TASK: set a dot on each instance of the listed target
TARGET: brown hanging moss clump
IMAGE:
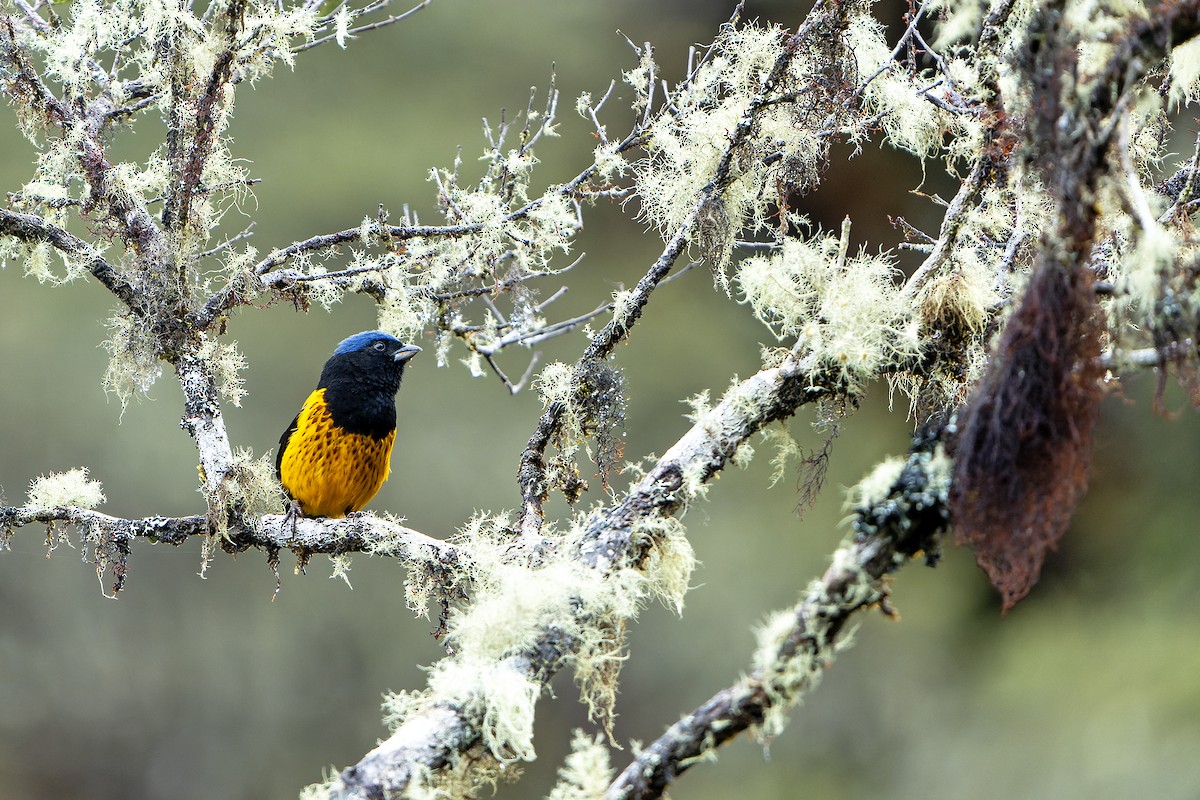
(1021, 459)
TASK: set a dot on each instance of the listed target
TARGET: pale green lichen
(37, 263)
(340, 568)
(784, 678)
(397, 707)
(554, 383)
(743, 455)
(65, 489)
(1152, 258)
(959, 301)
(686, 148)
(610, 164)
(586, 772)
(1150, 129)
(959, 21)
(133, 364)
(787, 450)
(694, 480)
(515, 606)
(910, 121)
(939, 471)
(875, 485)
(226, 364)
(341, 20)
(249, 488)
(583, 104)
(463, 777)
(794, 646)
(514, 235)
(1099, 24)
(847, 312)
(502, 697)
(405, 313)
(670, 563)
(700, 405)
(251, 483)
(321, 790)
(640, 78)
(1185, 72)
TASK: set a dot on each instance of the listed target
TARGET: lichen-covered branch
(907, 516)
(342, 19)
(110, 198)
(196, 118)
(531, 472)
(202, 419)
(361, 533)
(993, 154)
(438, 565)
(32, 228)
(618, 538)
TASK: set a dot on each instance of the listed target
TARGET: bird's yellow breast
(329, 471)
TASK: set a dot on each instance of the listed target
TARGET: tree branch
(32, 228)
(239, 290)
(992, 162)
(351, 32)
(804, 641)
(199, 116)
(359, 533)
(136, 227)
(531, 471)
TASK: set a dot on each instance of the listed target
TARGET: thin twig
(363, 28)
(231, 293)
(246, 233)
(514, 388)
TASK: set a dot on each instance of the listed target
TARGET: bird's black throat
(360, 392)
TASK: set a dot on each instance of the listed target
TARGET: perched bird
(337, 452)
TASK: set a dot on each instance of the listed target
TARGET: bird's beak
(405, 353)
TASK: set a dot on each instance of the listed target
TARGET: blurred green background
(203, 688)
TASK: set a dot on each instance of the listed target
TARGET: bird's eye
(380, 346)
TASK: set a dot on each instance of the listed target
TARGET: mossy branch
(272, 533)
(1025, 447)
(195, 118)
(86, 123)
(531, 471)
(801, 643)
(239, 291)
(32, 228)
(993, 155)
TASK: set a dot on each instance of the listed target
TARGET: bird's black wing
(283, 443)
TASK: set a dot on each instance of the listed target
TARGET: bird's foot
(294, 512)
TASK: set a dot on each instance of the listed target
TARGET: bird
(336, 454)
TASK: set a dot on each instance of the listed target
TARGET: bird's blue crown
(361, 341)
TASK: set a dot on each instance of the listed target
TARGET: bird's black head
(371, 361)
(361, 379)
